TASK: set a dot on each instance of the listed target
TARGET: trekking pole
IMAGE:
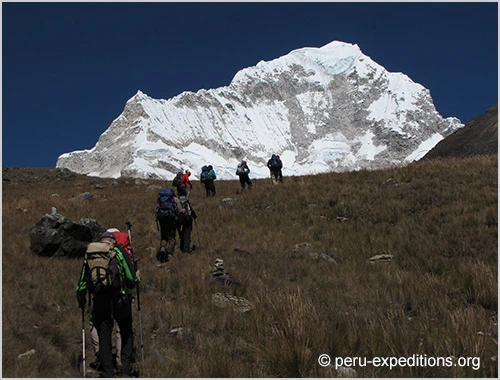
(83, 341)
(140, 331)
(129, 225)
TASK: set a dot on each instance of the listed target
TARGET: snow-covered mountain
(321, 109)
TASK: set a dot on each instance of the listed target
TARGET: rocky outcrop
(55, 235)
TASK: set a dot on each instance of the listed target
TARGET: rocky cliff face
(321, 109)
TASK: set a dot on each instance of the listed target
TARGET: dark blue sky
(69, 68)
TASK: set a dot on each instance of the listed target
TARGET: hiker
(275, 165)
(203, 177)
(207, 178)
(209, 184)
(185, 224)
(168, 207)
(123, 243)
(242, 171)
(176, 182)
(182, 189)
(109, 299)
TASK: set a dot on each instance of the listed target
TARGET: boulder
(237, 303)
(96, 229)
(55, 235)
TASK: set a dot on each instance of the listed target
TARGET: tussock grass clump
(300, 251)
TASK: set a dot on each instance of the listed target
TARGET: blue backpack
(204, 174)
(276, 163)
(166, 203)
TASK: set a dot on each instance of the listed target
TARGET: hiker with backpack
(106, 274)
(182, 189)
(185, 224)
(176, 182)
(242, 172)
(207, 178)
(204, 178)
(167, 209)
(209, 184)
(275, 165)
(123, 243)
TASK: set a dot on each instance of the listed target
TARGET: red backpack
(123, 241)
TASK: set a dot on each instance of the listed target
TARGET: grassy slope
(437, 297)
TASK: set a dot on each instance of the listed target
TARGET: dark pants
(245, 180)
(167, 232)
(181, 191)
(185, 228)
(106, 310)
(210, 188)
(277, 174)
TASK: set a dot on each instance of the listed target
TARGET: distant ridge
(478, 137)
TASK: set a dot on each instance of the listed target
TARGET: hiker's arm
(81, 288)
(131, 277)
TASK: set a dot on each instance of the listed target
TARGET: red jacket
(185, 180)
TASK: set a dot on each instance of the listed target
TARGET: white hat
(112, 230)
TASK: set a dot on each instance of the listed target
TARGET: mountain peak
(139, 95)
(321, 109)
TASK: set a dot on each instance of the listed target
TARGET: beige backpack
(104, 273)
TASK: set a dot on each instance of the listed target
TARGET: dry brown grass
(437, 297)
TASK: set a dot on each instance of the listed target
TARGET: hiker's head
(188, 172)
(243, 162)
(210, 167)
(107, 237)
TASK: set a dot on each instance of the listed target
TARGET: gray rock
(346, 372)
(218, 275)
(383, 257)
(95, 227)
(324, 256)
(27, 354)
(85, 196)
(341, 219)
(238, 303)
(55, 235)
